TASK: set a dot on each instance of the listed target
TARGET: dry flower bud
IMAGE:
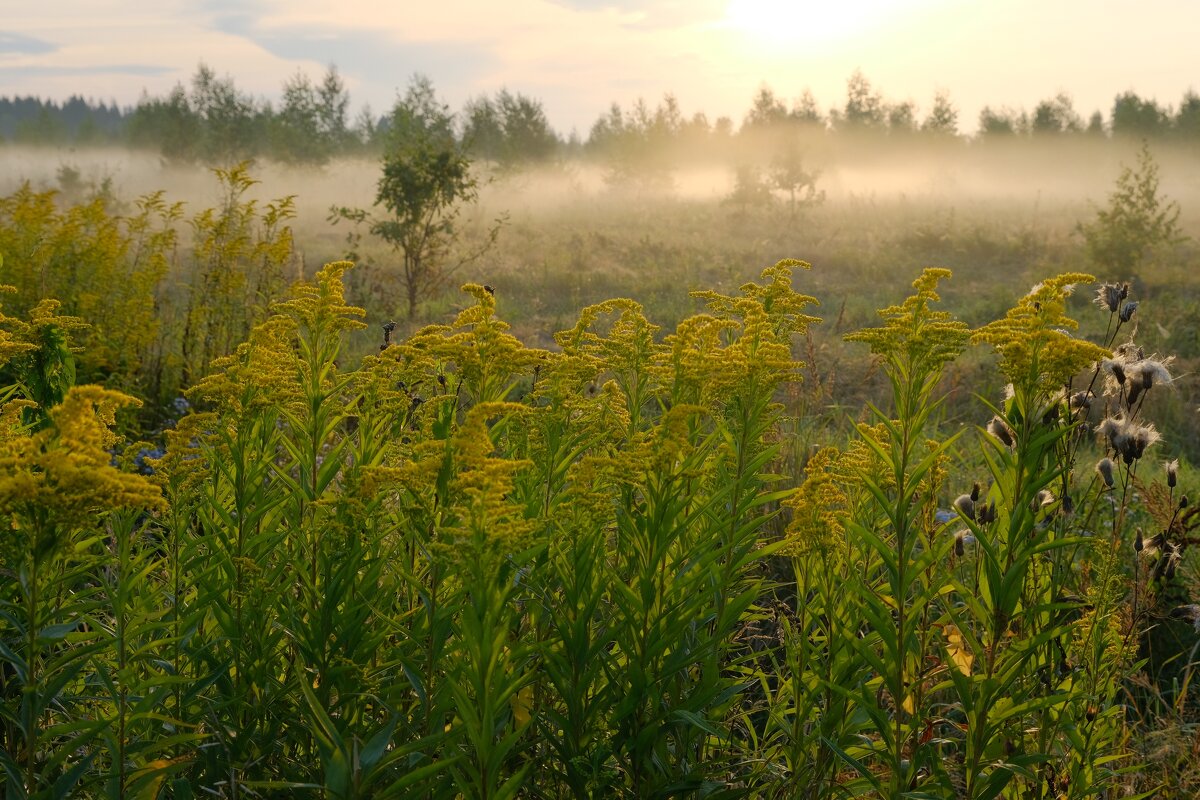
(1105, 468)
(999, 429)
(965, 506)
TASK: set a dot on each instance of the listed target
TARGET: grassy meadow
(683, 493)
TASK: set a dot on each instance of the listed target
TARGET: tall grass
(472, 569)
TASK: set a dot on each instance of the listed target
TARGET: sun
(804, 22)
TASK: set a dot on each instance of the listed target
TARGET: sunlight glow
(801, 22)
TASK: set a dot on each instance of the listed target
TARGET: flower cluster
(64, 472)
(1038, 353)
(913, 333)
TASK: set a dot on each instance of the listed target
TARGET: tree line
(210, 120)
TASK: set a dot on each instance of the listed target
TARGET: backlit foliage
(468, 568)
(129, 274)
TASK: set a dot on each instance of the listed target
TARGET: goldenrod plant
(467, 568)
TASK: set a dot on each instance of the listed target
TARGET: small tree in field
(1136, 220)
(425, 185)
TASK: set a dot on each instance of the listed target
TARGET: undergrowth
(469, 568)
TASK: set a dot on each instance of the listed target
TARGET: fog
(987, 179)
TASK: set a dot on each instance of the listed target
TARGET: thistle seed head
(1135, 391)
(1114, 368)
(1000, 430)
(1129, 351)
(1105, 467)
(965, 506)
(1109, 296)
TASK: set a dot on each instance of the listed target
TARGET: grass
(734, 555)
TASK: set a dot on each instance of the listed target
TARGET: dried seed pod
(999, 429)
(965, 506)
(1105, 468)
(1135, 391)
(388, 327)
(975, 489)
(1129, 352)
(1109, 297)
(959, 547)
(1118, 371)
(1172, 468)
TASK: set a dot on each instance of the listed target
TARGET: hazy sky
(578, 56)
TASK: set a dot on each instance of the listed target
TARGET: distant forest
(212, 121)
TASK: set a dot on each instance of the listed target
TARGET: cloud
(369, 59)
(43, 70)
(579, 55)
(653, 14)
(20, 44)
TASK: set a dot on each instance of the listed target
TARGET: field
(650, 507)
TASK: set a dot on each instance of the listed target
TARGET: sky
(579, 56)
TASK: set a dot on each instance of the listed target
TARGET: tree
(1136, 221)
(1001, 122)
(483, 131)
(1056, 115)
(902, 117)
(228, 117)
(527, 133)
(789, 174)
(864, 107)
(296, 135)
(943, 117)
(1187, 118)
(805, 110)
(508, 130)
(750, 191)
(766, 110)
(333, 108)
(1133, 116)
(425, 185)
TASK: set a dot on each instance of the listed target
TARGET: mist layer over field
(1050, 177)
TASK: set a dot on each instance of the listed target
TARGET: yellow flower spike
(64, 471)
(1037, 352)
(913, 332)
(321, 305)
